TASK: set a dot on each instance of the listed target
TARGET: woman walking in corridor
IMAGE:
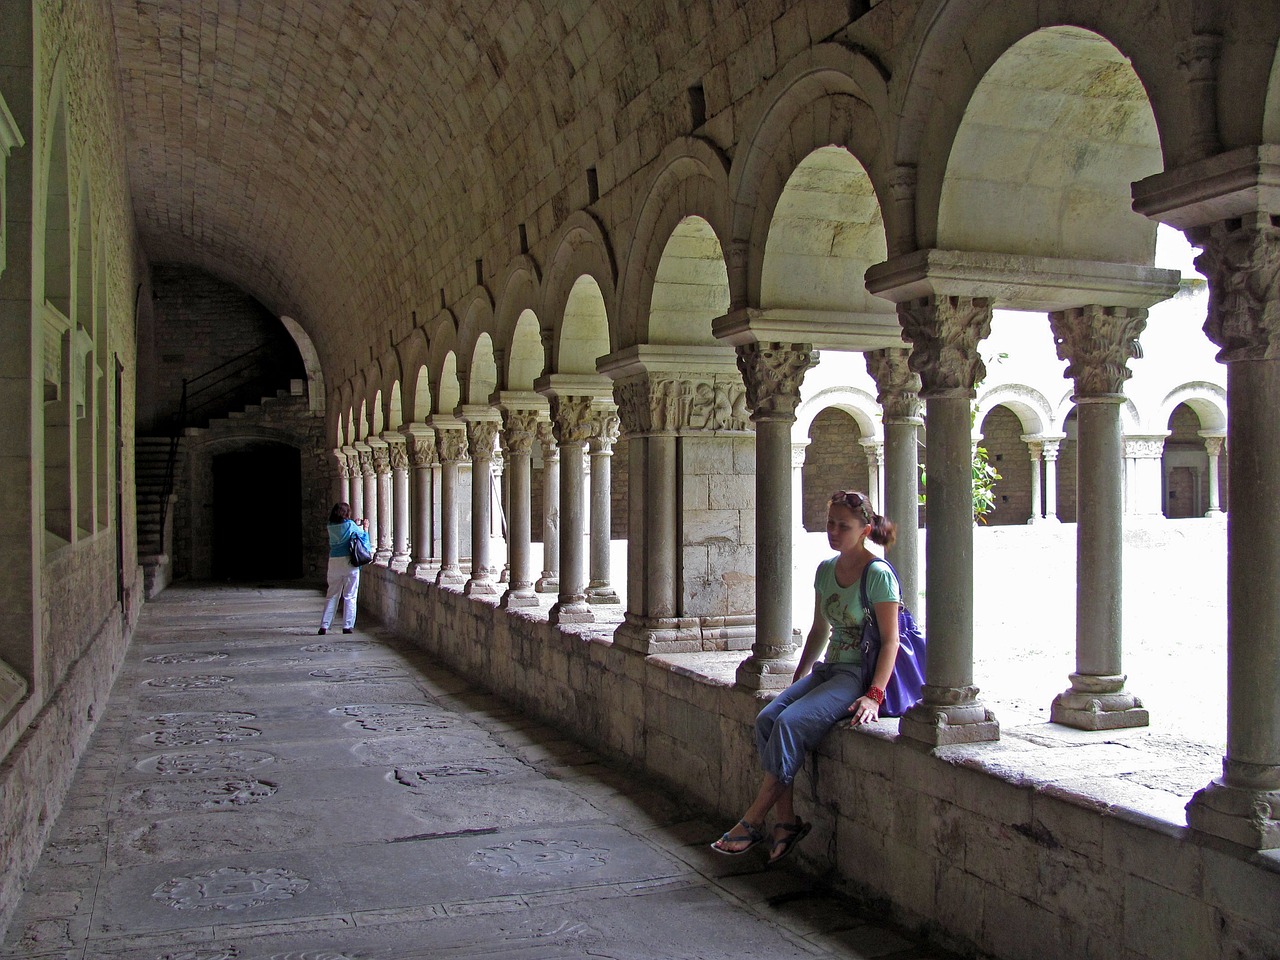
(344, 577)
(825, 692)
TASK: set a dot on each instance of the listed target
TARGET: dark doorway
(257, 514)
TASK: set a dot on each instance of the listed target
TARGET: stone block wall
(834, 460)
(953, 842)
(1006, 451)
(717, 524)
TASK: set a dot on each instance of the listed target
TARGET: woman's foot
(785, 838)
(741, 838)
(347, 630)
(322, 631)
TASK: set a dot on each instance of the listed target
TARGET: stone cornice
(574, 385)
(1222, 187)
(1020, 282)
(853, 331)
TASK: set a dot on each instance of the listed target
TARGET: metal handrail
(185, 408)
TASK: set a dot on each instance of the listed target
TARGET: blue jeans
(800, 716)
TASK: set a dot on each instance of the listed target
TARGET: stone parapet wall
(961, 843)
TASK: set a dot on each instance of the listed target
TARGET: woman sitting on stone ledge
(822, 693)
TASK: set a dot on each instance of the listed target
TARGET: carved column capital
(604, 431)
(546, 436)
(944, 333)
(1241, 258)
(519, 430)
(1098, 342)
(423, 450)
(365, 460)
(1050, 449)
(571, 419)
(344, 468)
(451, 444)
(873, 449)
(1143, 448)
(681, 403)
(381, 456)
(481, 436)
(1213, 445)
(399, 456)
(897, 383)
(772, 373)
(1035, 447)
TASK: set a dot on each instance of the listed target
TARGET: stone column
(873, 450)
(1144, 480)
(945, 331)
(1050, 455)
(369, 495)
(1034, 447)
(422, 451)
(1213, 447)
(1241, 258)
(549, 581)
(1098, 342)
(381, 455)
(451, 448)
(355, 487)
(772, 373)
(571, 423)
(500, 510)
(899, 398)
(343, 492)
(519, 428)
(482, 433)
(798, 453)
(398, 453)
(604, 433)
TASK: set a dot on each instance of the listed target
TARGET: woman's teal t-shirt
(842, 606)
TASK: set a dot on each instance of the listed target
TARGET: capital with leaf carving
(772, 374)
(1098, 342)
(945, 332)
(1241, 258)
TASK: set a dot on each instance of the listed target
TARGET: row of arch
(809, 202)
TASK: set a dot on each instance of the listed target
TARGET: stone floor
(254, 791)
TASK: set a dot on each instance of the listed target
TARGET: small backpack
(360, 554)
(907, 681)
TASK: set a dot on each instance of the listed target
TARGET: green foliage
(984, 485)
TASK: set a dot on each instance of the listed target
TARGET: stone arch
(1032, 408)
(958, 45)
(477, 322)
(341, 432)
(691, 181)
(826, 230)
(1058, 186)
(1208, 400)
(310, 363)
(412, 353)
(859, 404)
(482, 371)
(378, 414)
(395, 407)
(690, 287)
(581, 251)
(833, 461)
(828, 95)
(83, 363)
(57, 200)
(518, 296)
(1242, 75)
(446, 392)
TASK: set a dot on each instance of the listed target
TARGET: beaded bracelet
(876, 694)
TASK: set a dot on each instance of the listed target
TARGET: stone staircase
(151, 461)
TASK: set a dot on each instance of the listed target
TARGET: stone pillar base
(447, 577)
(423, 569)
(480, 588)
(773, 673)
(382, 557)
(1098, 703)
(518, 599)
(1239, 814)
(601, 593)
(547, 584)
(573, 611)
(942, 724)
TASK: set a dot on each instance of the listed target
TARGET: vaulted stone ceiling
(345, 160)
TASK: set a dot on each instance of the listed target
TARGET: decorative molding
(1242, 261)
(897, 384)
(451, 445)
(773, 373)
(1098, 342)
(571, 419)
(423, 451)
(399, 456)
(682, 403)
(481, 437)
(519, 430)
(945, 333)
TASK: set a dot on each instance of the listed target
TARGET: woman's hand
(864, 710)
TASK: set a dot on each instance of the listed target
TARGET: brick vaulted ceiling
(345, 160)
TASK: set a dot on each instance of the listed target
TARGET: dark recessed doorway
(257, 514)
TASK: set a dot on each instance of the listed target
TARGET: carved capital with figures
(945, 333)
(772, 374)
(1241, 258)
(897, 384)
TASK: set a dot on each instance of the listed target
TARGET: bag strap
(866, 604)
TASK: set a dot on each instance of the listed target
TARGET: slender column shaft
(1036, 495)
(1098, 342)
(421, 517)
(519, 430)
(344, 479)
(1241, 258)
(549, 582)
(451, 447)
(945, 333)
(772, 374)
(357, 461)
(481, 435)
(1213, 447)
(571, 421)
(901, 503)
(604, 434)
(371, 502)
(639, 501)
(400, 504)
(1051, 481)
